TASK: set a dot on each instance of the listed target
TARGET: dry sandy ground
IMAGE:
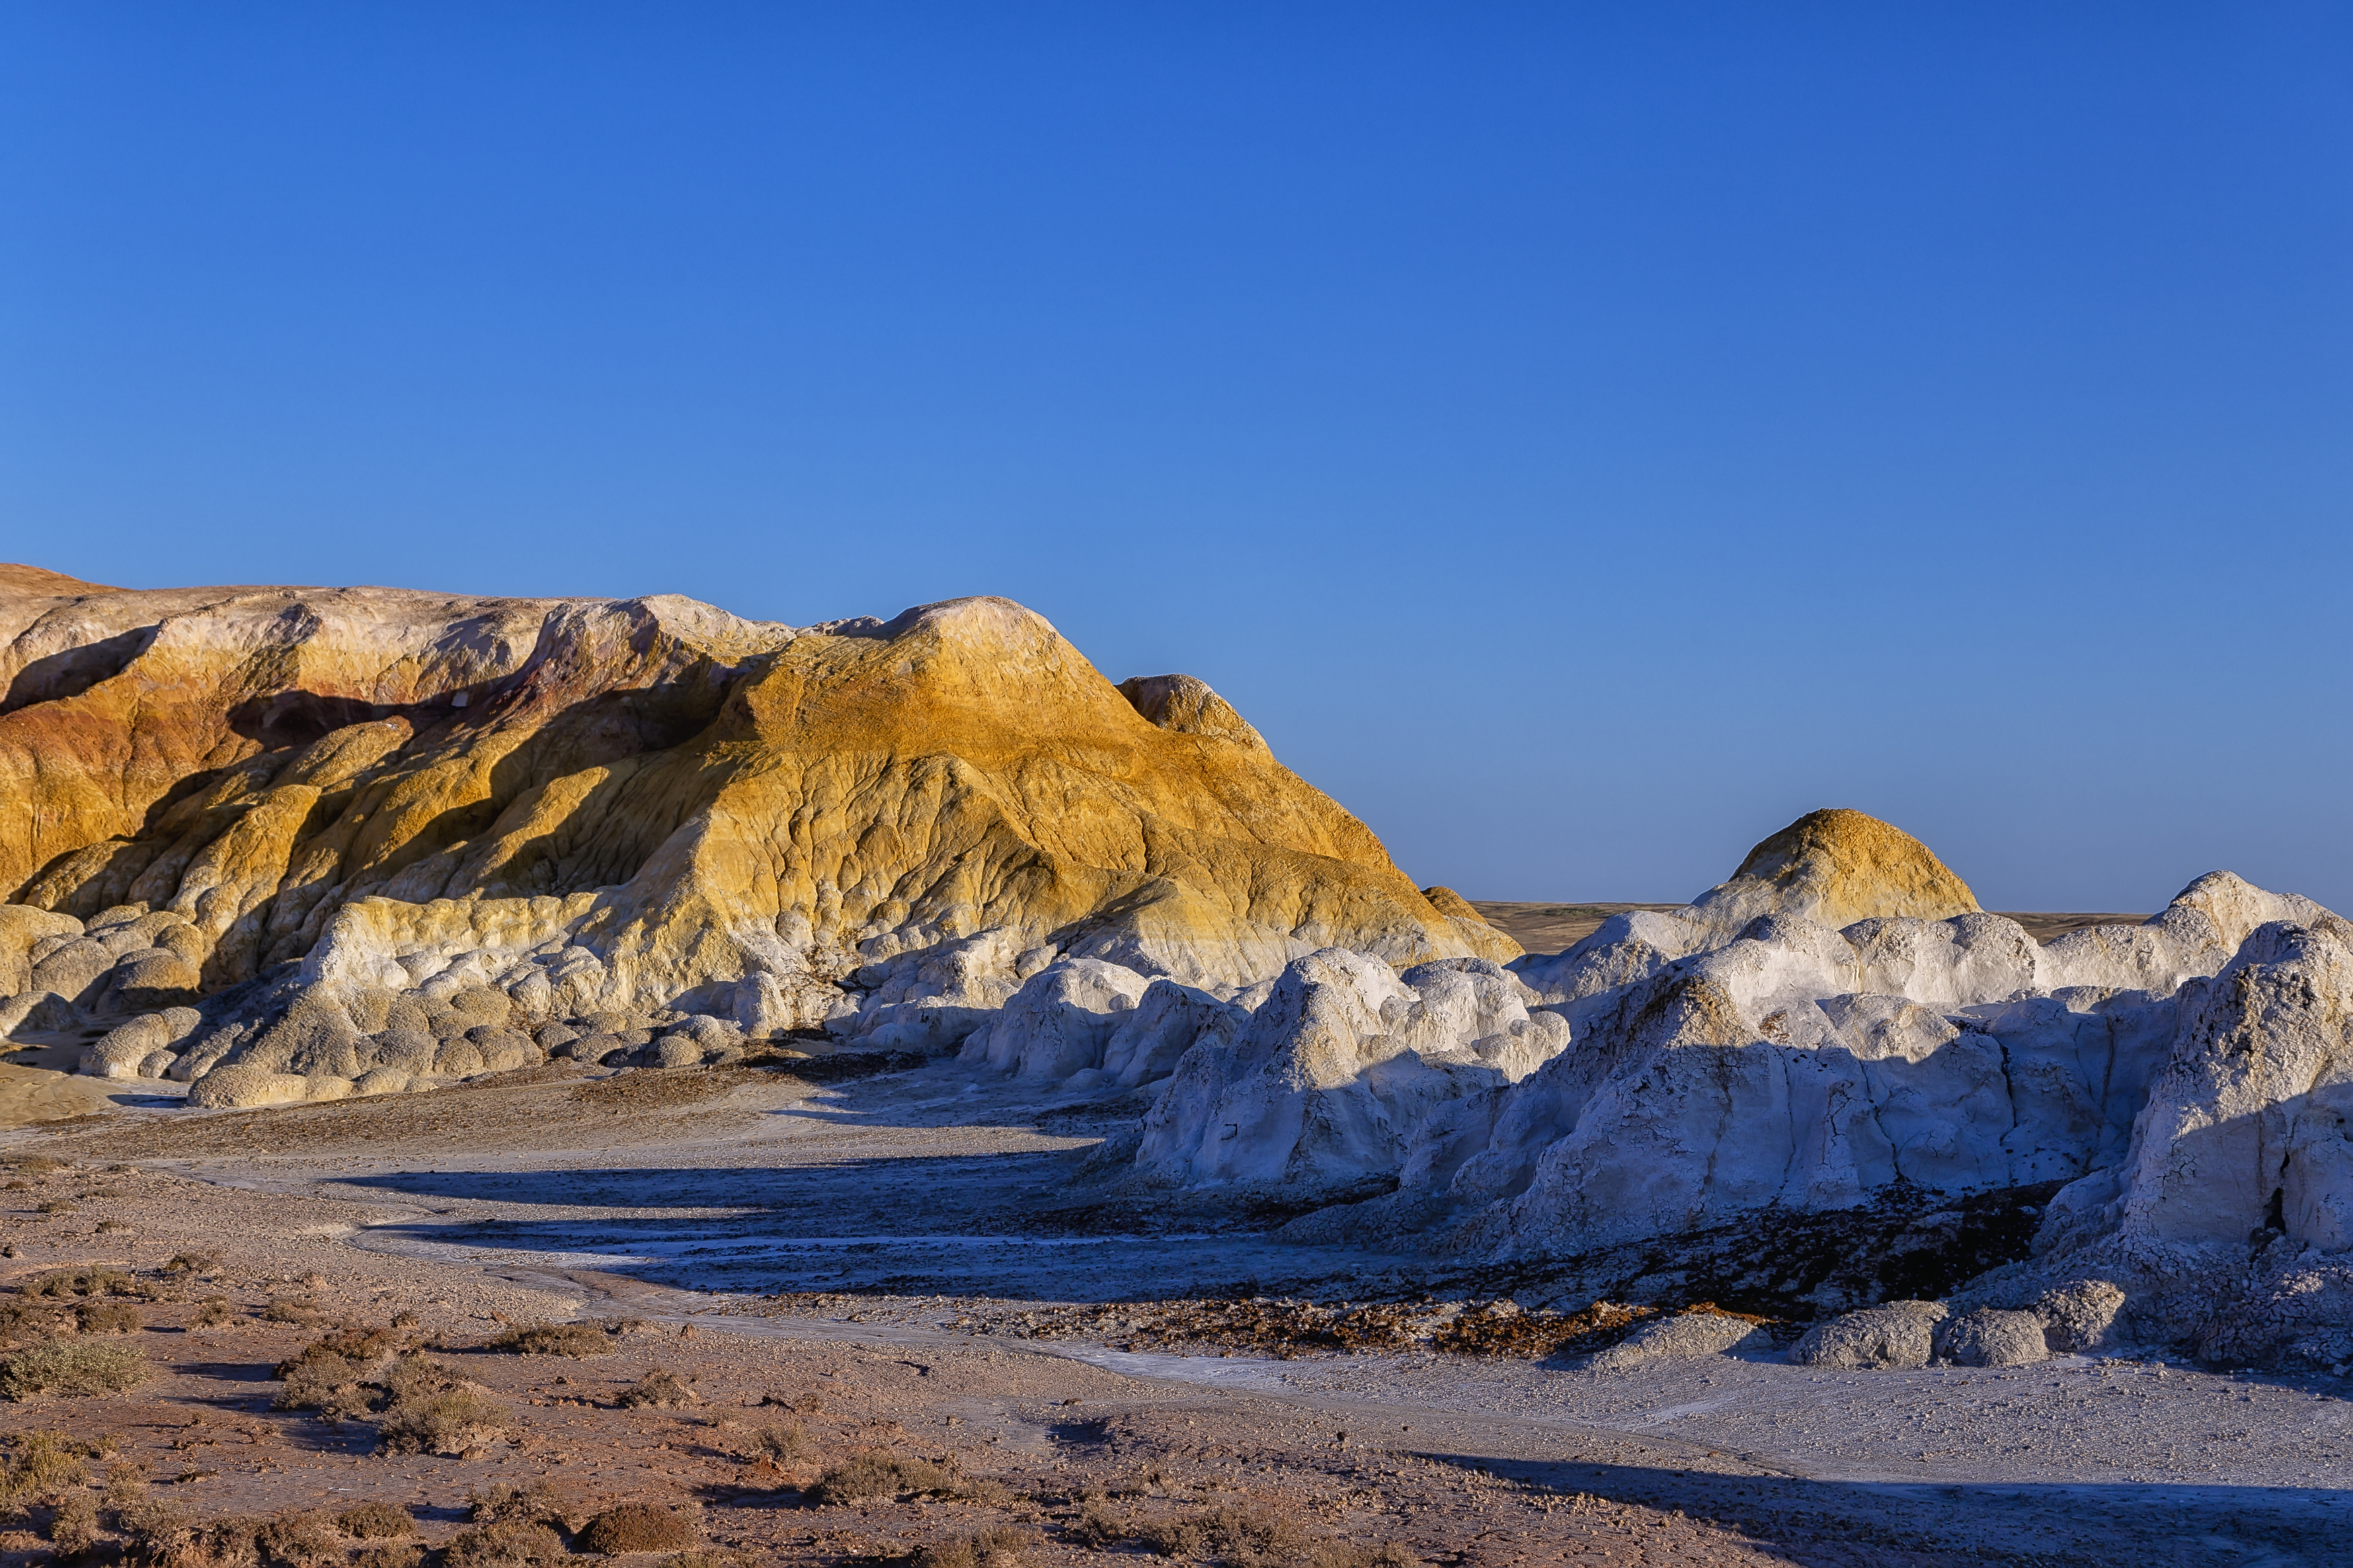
(918, 1218)
(1551, 928)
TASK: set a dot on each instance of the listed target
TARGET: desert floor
(893, 1263)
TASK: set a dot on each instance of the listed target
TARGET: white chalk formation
(2188, 1079)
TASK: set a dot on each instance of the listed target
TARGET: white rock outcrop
(1345, 1057)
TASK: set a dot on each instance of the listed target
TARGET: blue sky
(1582, 438)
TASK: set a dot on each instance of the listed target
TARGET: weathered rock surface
(1990, 1337)
(468, 820)
(1898, 1334)
(2185, 1085)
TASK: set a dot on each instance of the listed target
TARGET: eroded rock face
(463, 822)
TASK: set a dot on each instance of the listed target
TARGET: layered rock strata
(379, 839)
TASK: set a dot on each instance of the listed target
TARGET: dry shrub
(1239, 1537)
(635, 1527)
(1377, 1555)
(536, 1501)
(336, 1376)
(107, 1318)
(164, 1537)
(871, 1473)
(659, 1391)
(92, 1281)
(504, 1543)
(146, 1520)
(39, 1164)
(18, 1318)
(1249, 1537)
(701, 1560)
(59, 1205)
(375, 1521)
(281, 1311)
(460, 1424)
(77, 1369)
(1001, 1546)
(40, 1464)
(125, 1485)
(106, 1227)
(73, 1525)
(434, 1411)
(1097, 1525)
(356, 1343)
(299, 1540)
(405, 1555)
(782, 1443)
(213, 1312)
(579, 1341)
(192, 1263)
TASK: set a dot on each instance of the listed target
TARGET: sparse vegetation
(281, 1311)
(434, 1411)
(41, 1464)
(299, 1540)
(658, 1391)
(337, 1375)
(871, 1473)
(1001, 1546)
(73, 1368)
(534, 1502)
(576, 1340)
(213, 1312)
(1239, 1537)
(404, 1555)
(783, 1442)
(93, 1281)
(375, 1521)
(192, 1263)
(506, 1544)
(1097, 1525)
(73, 1524)
(107, 1318)
(635, 1527)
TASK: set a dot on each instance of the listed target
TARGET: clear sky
(1581, 436)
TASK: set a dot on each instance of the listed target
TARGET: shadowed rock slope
(482, 829)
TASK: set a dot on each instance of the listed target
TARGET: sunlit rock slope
(291, 842)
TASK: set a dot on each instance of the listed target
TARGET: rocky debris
(1897, 1334)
